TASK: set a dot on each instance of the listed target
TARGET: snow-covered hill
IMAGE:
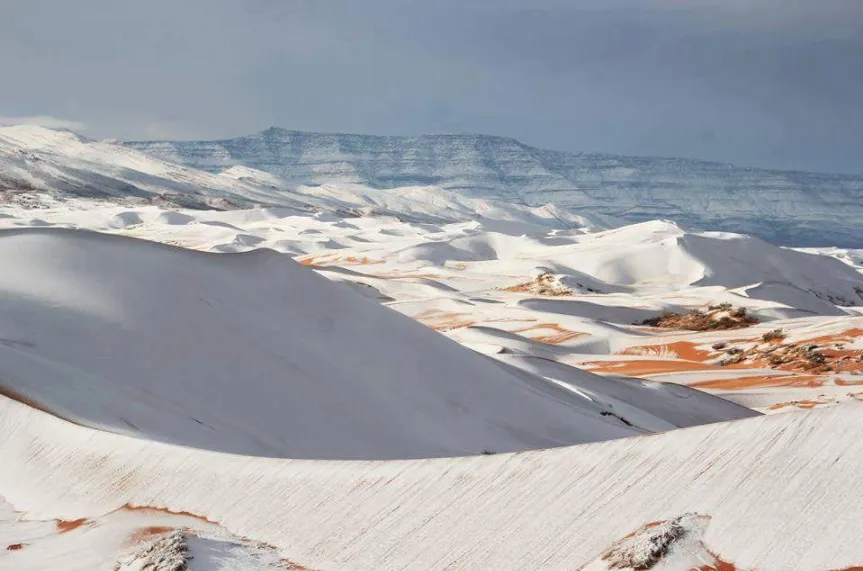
(39, 160)
(34, 158)
(255, 354)
(790, 208)
(334, 376)
(774, 492)
(549, 301)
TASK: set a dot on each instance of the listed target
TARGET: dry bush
(698, 320)
(773, 335)
(543, 284)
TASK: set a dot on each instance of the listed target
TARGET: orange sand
(146, 533)
(337, 260)
(562, 334)
(685, 350)
(151, 509)
(64, 526)
(640, 367)
(760, 382)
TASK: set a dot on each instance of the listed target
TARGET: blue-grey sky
(757, 82)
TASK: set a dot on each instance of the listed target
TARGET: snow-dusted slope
(792, 208)
(775, 492)
(49, 161)
(662, 255)
(142, 384)
(551, 301)
(256, 354)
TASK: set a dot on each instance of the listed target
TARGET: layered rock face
(786, 207)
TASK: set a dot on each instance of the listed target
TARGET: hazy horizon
(776, 85)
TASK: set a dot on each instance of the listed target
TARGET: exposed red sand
(146, 533)
(151, 509)
(445, 321)
(648, 525)
(639, 367)
(559, 337)
(718, 564)
(337, 260)
(846, 336)
(561, 333)
(738, 383)
(15, 547)
(643, 367)
(805, 404)
(441, 321)
(790, 357)
(64, 526)
(685, 350)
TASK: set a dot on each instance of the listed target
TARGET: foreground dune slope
(255, 354)
(773, 492)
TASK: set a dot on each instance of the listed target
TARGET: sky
(774, 83)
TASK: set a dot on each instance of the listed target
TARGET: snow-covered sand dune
(775, 492)
(255, 354)
(176, 391)
(552, 298)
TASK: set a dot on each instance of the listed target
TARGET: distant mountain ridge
(786, 207)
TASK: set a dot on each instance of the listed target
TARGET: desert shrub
(816, 358)
(732, 359)
(699, 320)
(773, 335)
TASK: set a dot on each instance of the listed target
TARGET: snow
(122, 539)
(34, 158)
(791, 208)
(455, 278)
(780, 491)
(254, 353)
(346, 377)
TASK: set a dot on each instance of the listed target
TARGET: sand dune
(255, 354)
(405, 394)
(779, 491)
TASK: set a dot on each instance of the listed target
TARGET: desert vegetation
(543, 284)
(773, 335)
(805, 356)
(715, 318)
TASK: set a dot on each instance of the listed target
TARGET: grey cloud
(777, 84)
